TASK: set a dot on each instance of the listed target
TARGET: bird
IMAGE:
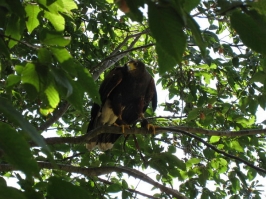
(125, 93)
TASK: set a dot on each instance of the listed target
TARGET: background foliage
(209, 55)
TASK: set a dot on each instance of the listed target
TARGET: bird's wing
(110, 82)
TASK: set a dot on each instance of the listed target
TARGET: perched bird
(125, 95)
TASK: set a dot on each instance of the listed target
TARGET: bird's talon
(152, 127)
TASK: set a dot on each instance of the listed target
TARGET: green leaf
(64, 6)
(4, 49)
(11, 192)
(124, 184)
(30, 76)
(10, 112)
(214, 139)
(56, 20)
(44, 56)
(54, 38)
(256, 24)
(62, 79)
(167, 29)
(76, 98)
(165, 61)
(58, 188)
(14, 29)
(220, 164)
(235, 185)
(32, 11)
(12, 80)
(190, 5)
(135, 14)
(196, 33)
(17, 150)
(236, 146)
(192, 161)
(65, 59)
(258, 77)
(194, 114)
(113, 188)
(52, 96)
(86, 81)
(252, 173)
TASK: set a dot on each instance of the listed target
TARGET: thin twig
(56, 115)
(22, 42)
(131, 190)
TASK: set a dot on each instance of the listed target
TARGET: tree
(54, 54)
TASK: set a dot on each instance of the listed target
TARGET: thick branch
(182, 130)
(91, 172)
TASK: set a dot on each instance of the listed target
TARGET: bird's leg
(145, 123)
(119, 122)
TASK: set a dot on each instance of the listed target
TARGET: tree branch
(182, 130)
(97, 171)
(22, 42)
(131, 190)
(115, 56)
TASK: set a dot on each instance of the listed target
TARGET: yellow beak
(131, 65)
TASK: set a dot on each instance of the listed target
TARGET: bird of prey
(126, 93)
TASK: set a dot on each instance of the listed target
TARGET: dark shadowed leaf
(190, 4)
(11, 192)
(86, 81)
(58, 188)
(196, 33)
(256, 24)
(10, 112)
(17, 150)
(165, 23)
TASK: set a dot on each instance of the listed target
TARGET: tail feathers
(103, 141)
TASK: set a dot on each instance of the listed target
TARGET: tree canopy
(208, 55)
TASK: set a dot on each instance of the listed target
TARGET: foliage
(209, 56)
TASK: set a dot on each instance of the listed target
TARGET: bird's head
(135, 65)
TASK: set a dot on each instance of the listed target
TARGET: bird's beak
(131, 65)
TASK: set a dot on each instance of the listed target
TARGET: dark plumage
(125, 95)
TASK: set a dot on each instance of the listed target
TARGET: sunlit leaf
(214, 139)
(12, 80)
(57, 20)
(30, 76)
(32, 11)
(236, 146)
(52, 96)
